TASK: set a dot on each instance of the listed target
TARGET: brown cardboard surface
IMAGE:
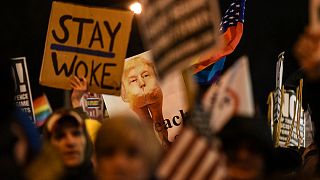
(86, 41)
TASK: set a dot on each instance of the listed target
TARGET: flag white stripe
(192, 156)
(202, 170)
(176, 152)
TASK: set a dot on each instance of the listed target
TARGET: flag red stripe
(213, 169)
(230, 38)
(206, 165)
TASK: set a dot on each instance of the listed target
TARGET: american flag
(233, 15)
(195, 154)
(231, 28)
(192, 156)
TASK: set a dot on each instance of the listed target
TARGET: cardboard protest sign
(179, 31)
(86, 41)
(231, 95)
(141, 91)
(23, 97)
(92, 104)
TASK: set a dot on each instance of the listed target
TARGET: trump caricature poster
(142, 95)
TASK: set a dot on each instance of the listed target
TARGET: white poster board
(174, 106)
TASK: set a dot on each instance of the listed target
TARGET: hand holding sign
(307, 51)
(79, 86)
(307, 48)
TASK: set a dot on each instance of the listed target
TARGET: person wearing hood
(126, 148)
(65, 130)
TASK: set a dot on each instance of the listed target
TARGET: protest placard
(165, 101)
(179, 31)
(86, 41)
(230, 96)
(23, 96)
(292, 128)
(92, 104)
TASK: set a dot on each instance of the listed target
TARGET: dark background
(270, 27)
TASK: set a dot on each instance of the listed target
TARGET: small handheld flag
(42, 109)
(231, 28)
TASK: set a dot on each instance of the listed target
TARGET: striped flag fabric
(42, 109)
(231, 28)
(191, 157)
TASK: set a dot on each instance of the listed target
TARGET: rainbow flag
(42, 109)
(231, 29)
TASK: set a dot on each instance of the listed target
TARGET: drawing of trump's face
(139, 83)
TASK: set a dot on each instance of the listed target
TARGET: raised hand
(307, 51)
(79, 87)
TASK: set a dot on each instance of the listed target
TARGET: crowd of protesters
(125, 148)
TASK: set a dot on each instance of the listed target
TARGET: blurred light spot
(136, 7)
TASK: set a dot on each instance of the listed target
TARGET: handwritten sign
(86, 41)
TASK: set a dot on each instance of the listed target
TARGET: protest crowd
(161, 89)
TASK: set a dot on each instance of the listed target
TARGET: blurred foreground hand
(307, 51)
